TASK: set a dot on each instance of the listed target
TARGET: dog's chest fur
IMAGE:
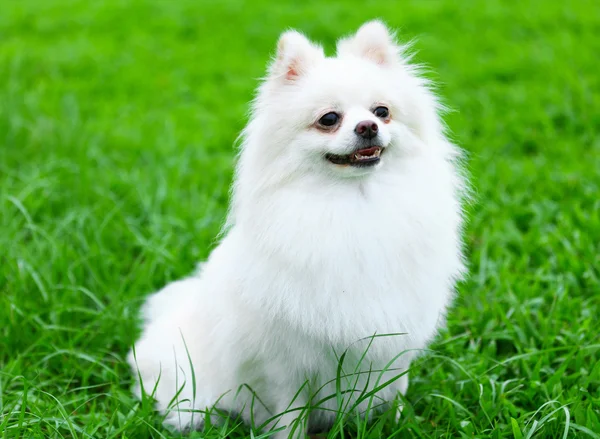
(344, 262)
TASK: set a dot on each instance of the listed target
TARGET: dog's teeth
(358, 156)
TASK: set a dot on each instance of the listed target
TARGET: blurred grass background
(117, 120)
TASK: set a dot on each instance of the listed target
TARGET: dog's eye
(329, 119)
(381, 112)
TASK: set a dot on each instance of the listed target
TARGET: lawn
(117, 125)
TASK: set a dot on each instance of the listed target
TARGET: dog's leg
(292, 417)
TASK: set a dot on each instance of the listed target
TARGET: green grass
(117, 120)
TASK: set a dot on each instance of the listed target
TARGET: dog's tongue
(368, 151)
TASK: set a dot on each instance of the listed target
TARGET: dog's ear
(372, 41)
(295, 55)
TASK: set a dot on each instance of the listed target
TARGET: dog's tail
(173, 296)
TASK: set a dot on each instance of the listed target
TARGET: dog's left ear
(295, 56)
(372, 41)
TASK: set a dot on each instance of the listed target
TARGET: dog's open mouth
(361, 157)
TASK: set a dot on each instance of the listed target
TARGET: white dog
(345, 223)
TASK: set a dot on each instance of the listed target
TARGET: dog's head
(345, 115)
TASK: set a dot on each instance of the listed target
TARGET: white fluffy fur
(315, 256)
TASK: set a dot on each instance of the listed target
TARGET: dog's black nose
(366, 129)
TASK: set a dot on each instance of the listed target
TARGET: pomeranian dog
(340, 252)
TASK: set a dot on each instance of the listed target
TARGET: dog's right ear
(295, 56)
(374, 42)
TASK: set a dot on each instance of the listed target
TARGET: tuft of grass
(117, 121)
